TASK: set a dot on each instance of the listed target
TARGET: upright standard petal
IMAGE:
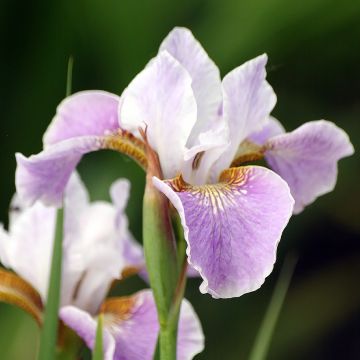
(161, 98)
(200, 158)
(85, 113)
(100, 251)
(132, 251)
(233, 227)
(248, 101)
(307, 159)
(206, 81)
(133, 324)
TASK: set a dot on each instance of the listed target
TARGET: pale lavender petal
(132, 250)
(161, 97)
(307, 159)
(85, 326)
(76, 201)
(272, 128)
(4, 246)
(233, 227)
(98, 245)
(192, 272)
(44, 176)
(200, 158)
(93, 254)
(26, 248)
(85, 113)
(141, 323)
(191, 339)
(120, 192)
(133, 323)
(248, 101)
(206, 82)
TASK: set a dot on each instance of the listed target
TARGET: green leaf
(98, 349)
(50, 329)
(69, 76)
(263, 339)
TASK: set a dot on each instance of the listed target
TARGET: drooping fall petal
(233, 227)
(307, 159)
(44, 176)
(86, 113)
(84, 122)
(272, 128)
(133, 324)
(85, 326)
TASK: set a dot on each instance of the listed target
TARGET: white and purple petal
(81, 124)
(205, 75)
(132, 251)
(133, 324)
(248, 101)
(85, 113)
(272, 128)
(26, 248)
(161, 98)
(307, 159)
(44, 176)
(233, 227)
(85, 326)
(199, 159)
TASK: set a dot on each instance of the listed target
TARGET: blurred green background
(314, 67)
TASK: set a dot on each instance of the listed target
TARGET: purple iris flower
(98, 248)
(202, 128)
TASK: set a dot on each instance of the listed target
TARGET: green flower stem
(160, 251)
(98, 349)
(168, 333)
(168, 340)
(50, 329)
(160, 255)
(181, 243)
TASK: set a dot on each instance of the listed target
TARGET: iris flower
(203, 130)
(97, 249)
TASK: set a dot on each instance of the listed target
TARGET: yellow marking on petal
(126, 143)
(220, 195)
(248, 151)
(16, 291)
(129, 271)
(117, 310)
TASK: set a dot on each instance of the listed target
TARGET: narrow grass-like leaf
(50, 329)
(69, 76)
(98, 348)
(263, 338)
